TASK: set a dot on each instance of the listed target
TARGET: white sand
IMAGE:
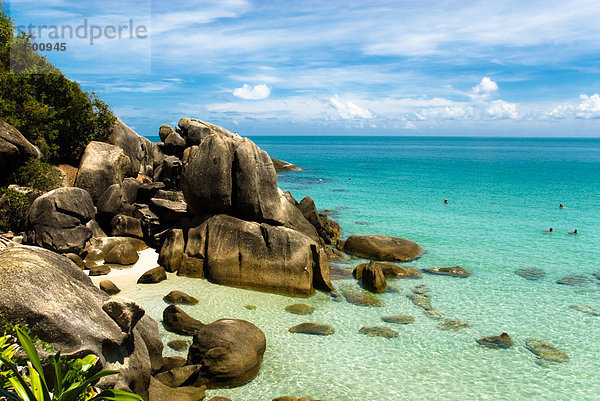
(128, 276)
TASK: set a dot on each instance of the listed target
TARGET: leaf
(77, 389)
(18, 380)
(34, 358)
(9, 396)
(87, 362)
(58, 376)
(116, 395)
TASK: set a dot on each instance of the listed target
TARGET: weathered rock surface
(179, 297)
(137, 148)
(177, 321)
(312, 328)
(126, 226)
(194, 131)
(381, 247)
(171, 251)
(260, 256)
(373, 279)
(122, 254)
(76, 259)
(378, 331)
(14, 150)
(109, 287)
(174, 144)
(281, 165)
(532, 273)
(43, 285)
(153, 276)
(389, 270)
(574, 280)
(57, 220)
(421, 300)
(453, 325)
(169, 211)
(361, 298)
(161, 392)
(101, 166)
(503, 341)
(99, 270)
(230, 352)
(300, 309)
(546, 351)
(112, 202)
(398, 319)
(455, 271)
(98, 247)
(327, 229)
(585, 309)
(179, 345)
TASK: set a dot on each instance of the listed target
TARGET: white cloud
(589, 106)
(446, 113)
(348, 110)
(499, 109)
(256, 92)
(484, 89)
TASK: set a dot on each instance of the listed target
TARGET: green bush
(14, 207)
(38, 175)
(51, 111)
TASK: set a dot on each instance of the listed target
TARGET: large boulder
(177, 321)
(194, 131)
(62, 307)
(230, 352)
(381, 247)
(281, 165)
(328, 230)
(101, 166)
(137, 148)
(233, 176)
(14, 150)
(260, 256)
(57, 220)
(171, 252)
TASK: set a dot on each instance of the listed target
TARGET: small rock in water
(597, 275)
(177, 321)
(585, 309)
(453, 325)
(421, 300)
(503, 341)
(312, 328)
(455, 271)
(420, 289)
(394, 289)
(390, 270)
(179, 345)
(153, 276)
(362, 223)
(574, 280)
(250, 307)
(433, 314)
(300, 309)
(532, 273)
(378, 331)
(398, 319)
(373, 279)
(99, 270)
(546, 351)
(179, 297)
(361, 298)
(109, 287)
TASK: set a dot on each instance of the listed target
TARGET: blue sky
(493, 68)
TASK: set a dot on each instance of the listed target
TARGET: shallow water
(502, 193)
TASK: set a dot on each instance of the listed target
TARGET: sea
(501, 195)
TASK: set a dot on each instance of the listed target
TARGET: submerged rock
(532, 273)
(389, 270)
(398, 319)
(179, 297)
(420, 289)
(421, 300)
(312, 328)
(502, 341)
(453, 325)
(546, 351)
(153, 276)
(455, 271)
(179, 345)
(381, 247)
(378, 331)
(300, 309)
(574, 280)
(585, 309)
(433, 314)
(177, 321)
(250, 307)
(361, 298)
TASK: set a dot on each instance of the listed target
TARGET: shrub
(14, 207)
(38, 175)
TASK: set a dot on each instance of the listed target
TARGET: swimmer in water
(445, 201)
(573, 232)
(549, 230)
(560, 206)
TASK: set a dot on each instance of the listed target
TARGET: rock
(137, 148)
(327, 229)
(420, 289)
(361, 298)
(170, 172)
(312, 328)
(53, 286)
(259, 256)
(574, 280)
(130, 187)
(398, 319)
(179, 345)
(76, 259)
(219, 398)
(373, 279)
(126, 226)
(230, 352)
(585, 309)
(125, 313)
(378, 331)
(57, 220)
(171, 251)
(179, 297)
(109, 287)
(455, 271)
(164, 131)
(421, 300)
(294, 219)
(300, 309)
(153, 276)
(122, 254)
(191, 267)
(174, 144)
(170, 211)
(546, 351)
(15, 149)
(280, 165)
(148, 191)
(503, 341)
(183, 376)
(97, 248)
(389, 270)
(96, 230)
(433, 314)
(101, 166)
(232, 176)
(309, 210)
(532, 273)
(597, 275)
(194, 131)
(250, 307)
(99, 270)
(160, 392)
(172, 362)
(112, 202)
(453, 325)
(177, 321)
(381, 247)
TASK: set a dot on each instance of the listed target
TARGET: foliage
(50, 110)
(31, 384)
(14, 207)
(38, 175)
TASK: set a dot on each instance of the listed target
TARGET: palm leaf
(17, 381)
(116, 395)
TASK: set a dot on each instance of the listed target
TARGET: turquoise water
(502, 193)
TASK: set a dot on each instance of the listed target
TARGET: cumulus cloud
(256, 92)
(499, 109)
(587, 108)
(446, 113)
(484, 89)
(348, 110)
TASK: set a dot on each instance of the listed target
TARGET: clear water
(502, 193)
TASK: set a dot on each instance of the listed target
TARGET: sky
(477, 68)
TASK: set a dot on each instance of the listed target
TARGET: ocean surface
(502, 194)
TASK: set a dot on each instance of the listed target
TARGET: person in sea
(560, 206)
(548, 230)
(573, 232)
(445, 201)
